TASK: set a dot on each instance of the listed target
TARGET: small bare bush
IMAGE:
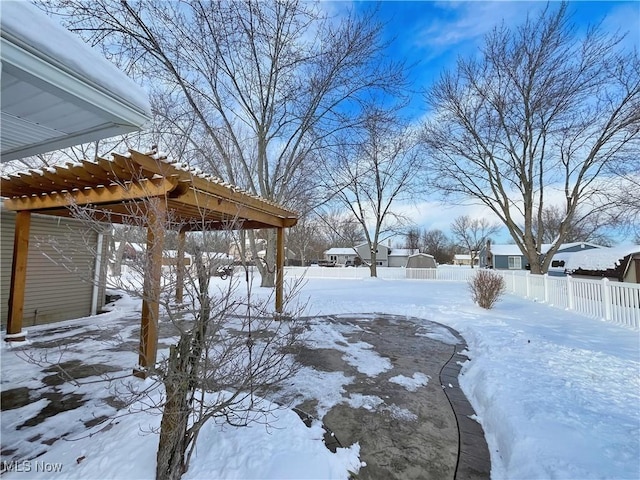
(486, 288)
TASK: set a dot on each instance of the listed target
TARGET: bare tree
(412, 238)
(623, 198)
(372, 171)
(540, 109)
(257, 87)
(584, 228)
(339, 229)
(305, 239)
(436, 243)
(473, 233)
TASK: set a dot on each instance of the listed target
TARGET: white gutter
(96, 276)
(76, 85)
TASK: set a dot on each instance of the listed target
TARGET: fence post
(569, 293)
(545, 279)
(528, 276)
(606, 298)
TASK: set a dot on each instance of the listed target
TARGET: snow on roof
(600, 259)
(43, 37)
(422, 255)
(340, 251)
(512, 249)
(462, 256)
(505, 250)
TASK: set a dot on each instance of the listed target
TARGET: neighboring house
(341, 256)
(509, 257)
(57, 92)
(61, 269)
(385, 256)
(465, 259)
(421, 260)
(288, 255)
(236, 252)
(620, 264)
(382, 254)
(130, 251)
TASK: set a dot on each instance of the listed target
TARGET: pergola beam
(151, 294)
(180, 266)
(18, 276)
(94, 196)
(205, 203)
(279, 269)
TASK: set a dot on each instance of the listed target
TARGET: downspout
(96, 276)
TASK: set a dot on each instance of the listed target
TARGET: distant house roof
(462, 256)
(511, 249)
(599, 259)
(340, 251)
(56, 90)
(505, 250)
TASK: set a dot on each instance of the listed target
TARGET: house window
(515, 263)
(379, 263)
(333, 258)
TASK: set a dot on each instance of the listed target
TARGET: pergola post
(151, 294)
(180, 267)
(18, 276)
(279, 269)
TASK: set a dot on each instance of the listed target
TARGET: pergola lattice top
(122, 190)
(113, 186)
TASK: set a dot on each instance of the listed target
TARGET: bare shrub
(486, 288)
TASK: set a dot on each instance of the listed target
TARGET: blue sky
(432, 34)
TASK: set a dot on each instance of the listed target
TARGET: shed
(398, 257)
(421, 260)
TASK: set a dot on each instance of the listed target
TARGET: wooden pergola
(165, 194)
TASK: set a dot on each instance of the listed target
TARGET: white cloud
(461, 22)
(624, 19)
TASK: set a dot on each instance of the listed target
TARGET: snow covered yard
(557, 394)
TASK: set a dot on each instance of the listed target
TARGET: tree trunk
(268, 268)
(374, 264)
(181, 380)
(173, 428)
(117, 262)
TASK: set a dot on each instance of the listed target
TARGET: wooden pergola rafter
(129, 187)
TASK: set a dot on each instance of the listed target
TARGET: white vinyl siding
(515, 263)
(60, 269)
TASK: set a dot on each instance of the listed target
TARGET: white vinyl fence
(603, 299)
